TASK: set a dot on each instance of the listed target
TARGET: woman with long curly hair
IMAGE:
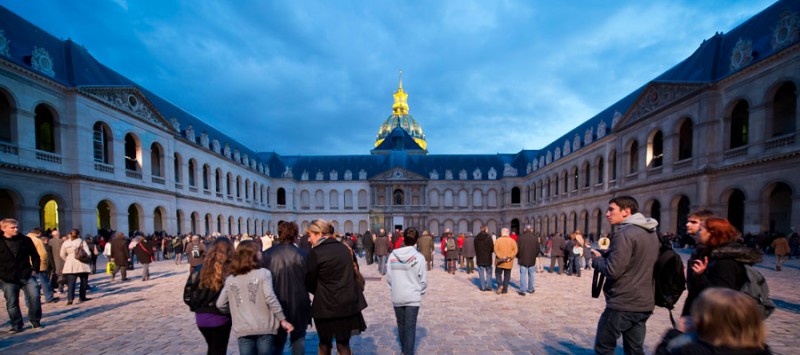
(201, 293)
(254, 308)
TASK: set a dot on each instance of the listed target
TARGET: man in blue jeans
(484, 248)
(41, 275)
(18, 260)
(628, 269)
(528, 251)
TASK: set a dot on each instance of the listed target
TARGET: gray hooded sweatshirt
(628, 265)
(407, 276)
(254, 308)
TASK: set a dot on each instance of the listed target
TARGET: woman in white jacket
(73, 268)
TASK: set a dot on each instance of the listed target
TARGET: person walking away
(18, 264)
(89, 240)
(120, 256)
(450, 250)
(781, 247)
(331, 271)
(540, 259)
(44, 265)
(484, 247)
(177, 247)
(528, 251)
(575, 251)
(468, 251)
(587, 256)
(196, 250)
(382, 248)
(74, 268)
(142, 252)
(557, 245)
(505, 250)
(369, 247)
(254, 308)
(287, 263)
(202, 291)
(408, 281)
(628, 270)
(426, 248)
(56, 242)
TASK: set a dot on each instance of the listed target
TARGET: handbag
(358, 277)
(110, 267)
(81, 255)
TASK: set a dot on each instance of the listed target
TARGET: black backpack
(756, 287)
(669, 277)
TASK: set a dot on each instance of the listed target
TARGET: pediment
(129, 100)
(397, 174)
(656, 97)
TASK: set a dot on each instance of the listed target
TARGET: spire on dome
(400, 106)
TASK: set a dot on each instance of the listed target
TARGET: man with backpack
(628, 270)
(196, 250)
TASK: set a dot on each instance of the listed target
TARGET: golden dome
(401, 118)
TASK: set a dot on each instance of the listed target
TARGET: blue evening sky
(317, 77)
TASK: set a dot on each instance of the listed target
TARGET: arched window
(238, 186)
(192, 172)
(566, 181)
(179, 221)
(463, 198)
(101, 142)
(736, 209)
(784, 110)
(683, 214)
(134, 218)
(362, 199)
(587, 174)
(104, 211)
(218, 181)
(334, 199)
(319, 200)
(206, 176)
(348, 199)
(131, 153)
(156, 160)
(633, 158)
(655, 212)
(247, 189)
(612, 164)
(557, 183)
(655, 156)
(575, 178)
(281, 197)
(515, 195)
(178, 168)
(780, 209)
(685, 139)
(45, 129)
(5, 118)
(158, 221)
(229, 184)
(740, 121)
(600, 171)
(398, 197)
(48, 213)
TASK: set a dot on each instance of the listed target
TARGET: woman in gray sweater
(254, 308)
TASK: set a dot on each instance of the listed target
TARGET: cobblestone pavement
(455, 318)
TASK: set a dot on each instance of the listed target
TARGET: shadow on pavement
(787, 306)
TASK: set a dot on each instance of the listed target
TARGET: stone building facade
(83, 147)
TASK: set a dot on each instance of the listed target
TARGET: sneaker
(531, 291)
(521, 293)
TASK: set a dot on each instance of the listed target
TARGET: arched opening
(207, 224)
(515, 195)
(229, 184)
(281, 197)
(612, 164)
(45, 129)
(574, 178)
(48, 213)
(780, 209)
(573, 221)
(514, 226)
(101, 143)
(655, 212)
(319, 200)
(178, 164)
(194, 220)
(633, 157)
(682, 215)
(685, 139)
(231, 222)
(565, 178)
(8, 204)
(362, 199)
(736, 209)
(158, 220)
(598, 218)
(133, 219)
(655, 151)
(398, 197)
(220, 221)
(587, 174)
(156, 160)
(192, 174)
(104, 211)
(740, 122)
(179, 221)
(206, 176)
(600, 171)
(6, 108)
(218, 181)
(238, 186)
(131, 153)
(784, 110)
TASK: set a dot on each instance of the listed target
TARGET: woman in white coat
(74, 268)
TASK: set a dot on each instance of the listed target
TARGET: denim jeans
(256, 344)
(503, 277)
(31, 293)
(485, 277)
(297, 341)
(525, 274)
(631, 325)
(407, 327)
(382, 259)
(574, 265)
(44, 283)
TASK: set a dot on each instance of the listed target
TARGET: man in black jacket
(557, 253)
(528, 251)
(18, 264)
(484, 247)
(628, 269)
(369, 247)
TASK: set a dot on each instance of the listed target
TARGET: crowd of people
(259, 288)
